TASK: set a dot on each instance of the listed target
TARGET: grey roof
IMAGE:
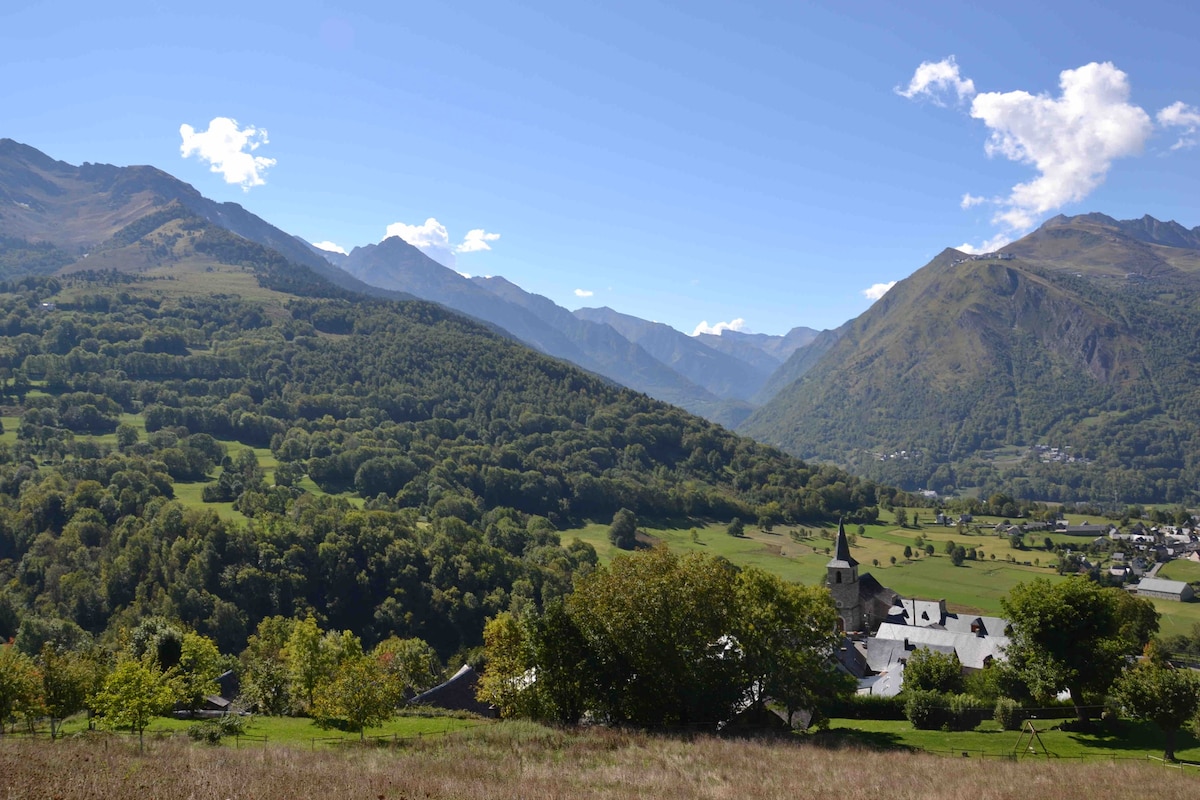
(884, 652)
(973, 650)
(842, 557)
(458, 693)
(975, 624)
(1161, 585)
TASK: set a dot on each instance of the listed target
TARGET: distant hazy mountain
(1080, 335)
(722, 374)
(623, 359)
(743, 345)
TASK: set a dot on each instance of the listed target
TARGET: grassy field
(507, 760)
(975, 587)
(298, 731)
(1180, 570)
(1137, 740)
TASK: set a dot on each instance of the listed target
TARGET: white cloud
(229, 150)
(330, 246)
(584, 293)
(1071, 139)
(970, 201)
(432, 238)
(1181, 115)
(738, 324)
(988, 246)
(878, 290)
(932, 80)
(476, 240)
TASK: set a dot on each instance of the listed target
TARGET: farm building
(1167, 590)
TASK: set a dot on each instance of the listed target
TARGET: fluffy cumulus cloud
(987, 246)
(738, 324)
(878, 290)
(228, 150)
(476, 240)
(329, 247)
(432, 238)
(934, 80)
(1070, 140)
(1180, 115)
(584, 293)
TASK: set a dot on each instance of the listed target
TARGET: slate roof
(457, 694)
(973, 650)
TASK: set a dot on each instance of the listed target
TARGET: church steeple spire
(843, 549)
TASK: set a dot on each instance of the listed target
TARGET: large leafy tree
(659, 627)
(785, 636)
(929, 670)
(1074, 635)
(20, 684)
(68, 679)
(660, 640)
(359, 695)
(133, 694)
(1168, 697)
(199, 666)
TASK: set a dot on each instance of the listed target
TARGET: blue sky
(685, 162)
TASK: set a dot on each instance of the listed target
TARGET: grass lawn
(1135, 740)
(976, 586)
(300, 731)
(1180, 570)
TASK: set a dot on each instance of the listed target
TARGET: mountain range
(1064, 366)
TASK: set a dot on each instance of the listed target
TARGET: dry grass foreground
(508, 762)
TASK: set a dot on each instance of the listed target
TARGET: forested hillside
(400, 469)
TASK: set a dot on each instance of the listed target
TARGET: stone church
(862, 601)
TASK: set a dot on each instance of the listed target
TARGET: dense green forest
(421, 464)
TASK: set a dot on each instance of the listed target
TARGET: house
(975, 650)
(456, 694)
(1165, 589)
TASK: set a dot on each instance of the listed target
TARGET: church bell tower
(843, 584)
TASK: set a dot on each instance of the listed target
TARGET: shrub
(926, 710)
(1008, 714)
(869, 706)
(965, 712)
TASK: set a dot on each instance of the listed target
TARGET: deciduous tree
(1170, 698)
(1068, 635)
(133, 694)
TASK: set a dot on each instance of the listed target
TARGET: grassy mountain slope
(1080, 337)
(63, 212)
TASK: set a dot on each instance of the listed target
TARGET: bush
(211, 731)
(1008, 714)
(208, 732)
(926, 710)
(965, 712)
(869, 706)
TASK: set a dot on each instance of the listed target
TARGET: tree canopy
(1074, 635)
(659, 640)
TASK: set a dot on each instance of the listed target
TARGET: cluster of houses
(883, 629)
(903, 625)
